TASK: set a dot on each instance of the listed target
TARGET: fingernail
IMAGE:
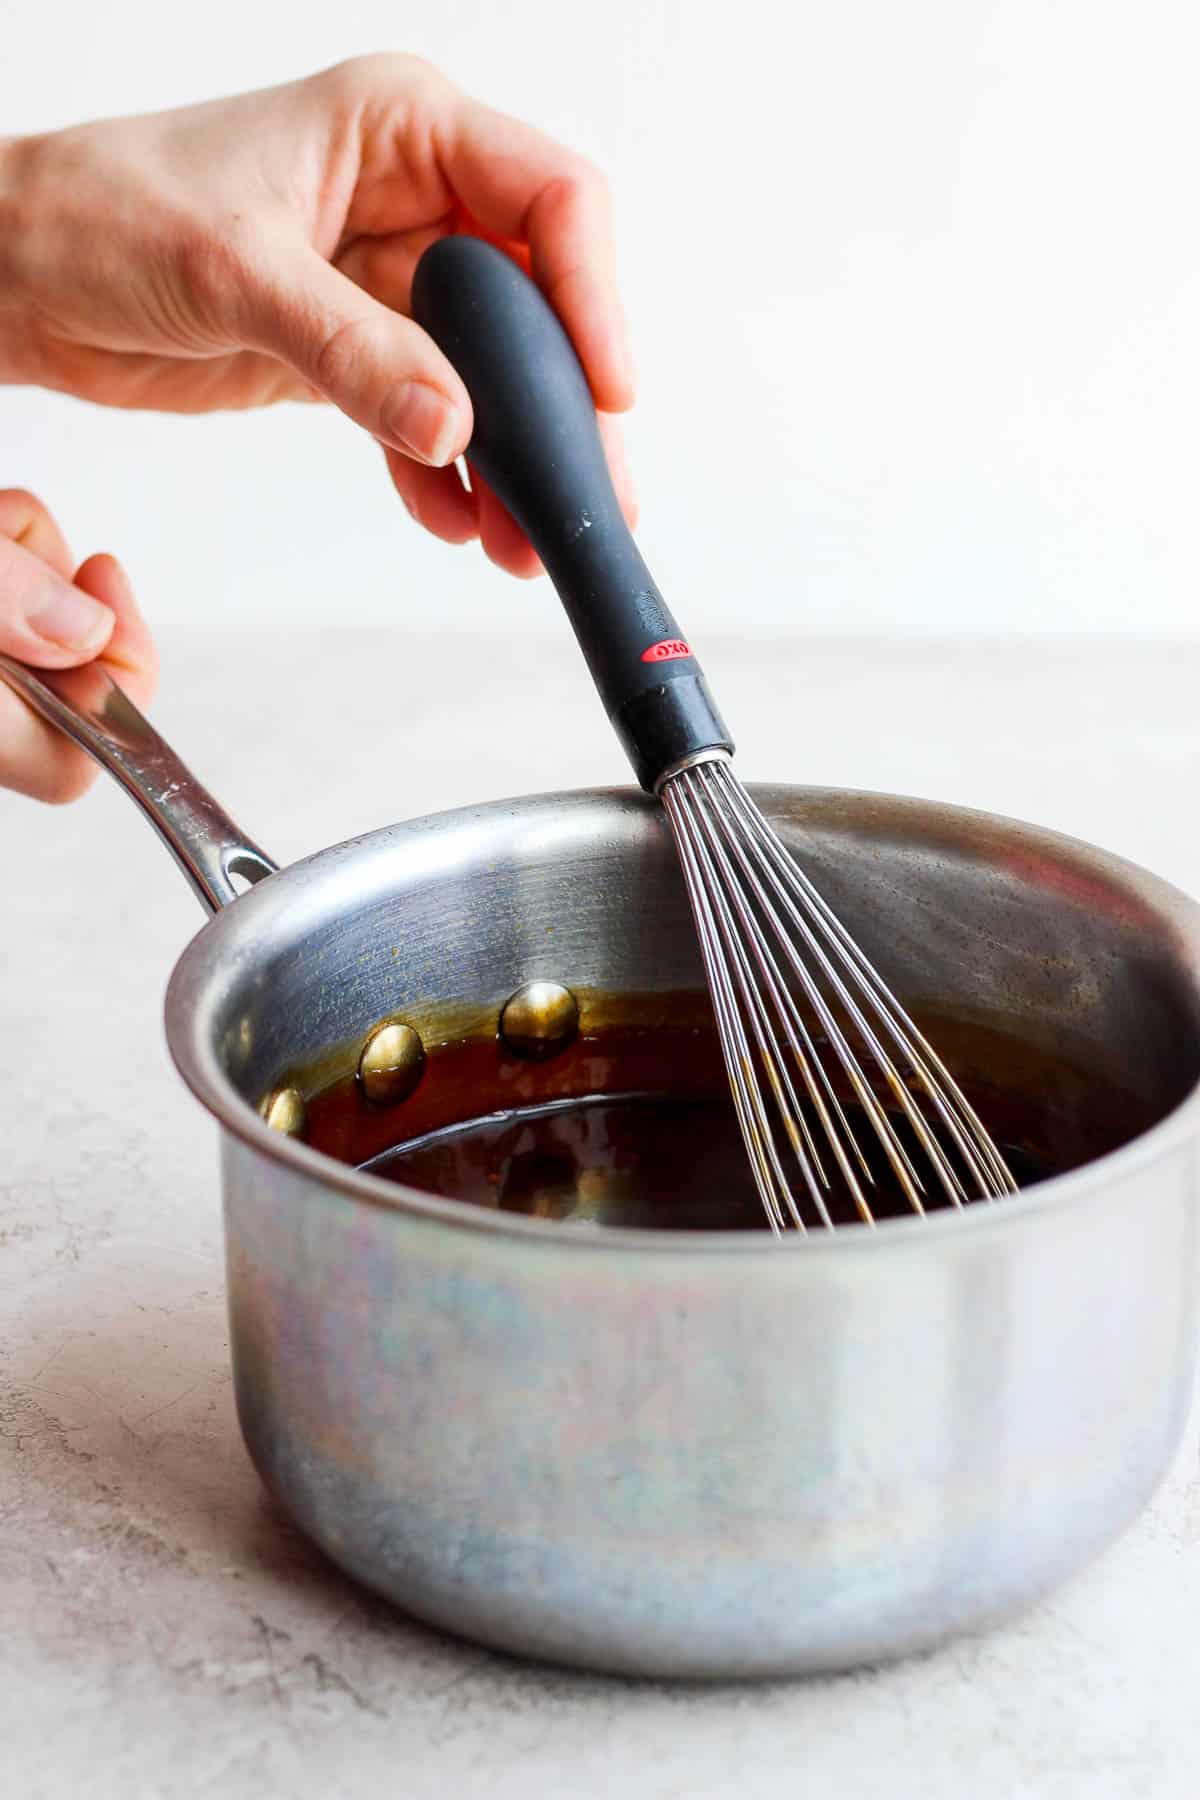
(68, 617)
(426, 423)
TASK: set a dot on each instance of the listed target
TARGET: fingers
(613, 439)
(564, 226)
(431, 160)
(437, 500)
(434, 160)
(44, 619)
(524, 187)
(25, 520)
(385, 265)
(53, 622)
(130, 653)
(502, 539)
(379, 368)
(39, 761)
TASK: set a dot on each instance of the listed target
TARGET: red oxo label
(666, 651)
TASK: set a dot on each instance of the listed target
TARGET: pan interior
(632, 1125)
(1058, 984)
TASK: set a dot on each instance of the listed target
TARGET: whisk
(796, 1001)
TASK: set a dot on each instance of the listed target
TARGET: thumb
(380, 368)
(44, 619)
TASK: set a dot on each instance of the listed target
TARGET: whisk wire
(747, 894)
(799, 1042)
(901, 1164)
(961, 1120)
(747, 1100)
(796, 1126)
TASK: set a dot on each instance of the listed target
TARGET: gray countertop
(165, 1632)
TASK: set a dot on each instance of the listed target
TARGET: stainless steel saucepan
(692, 1453)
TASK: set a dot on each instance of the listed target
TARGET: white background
(915, 292)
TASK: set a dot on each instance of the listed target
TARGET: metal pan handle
(87, 705)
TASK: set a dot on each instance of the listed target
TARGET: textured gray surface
(164, 1632)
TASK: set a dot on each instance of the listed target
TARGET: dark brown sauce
(632, 1125)
(634, 1160)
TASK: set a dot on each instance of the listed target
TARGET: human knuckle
(340, 350)
(19, 507)
(345, 80)
(418, 71)
(381, 70)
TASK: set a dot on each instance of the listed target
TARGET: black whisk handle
(537, 445)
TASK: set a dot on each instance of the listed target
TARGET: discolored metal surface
(709, 1453)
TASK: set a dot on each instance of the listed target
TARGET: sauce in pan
(637, 1160)
(631, 1124)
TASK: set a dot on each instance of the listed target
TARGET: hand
(52, 618)
(262, 249)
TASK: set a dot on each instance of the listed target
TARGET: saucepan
(696, 1453)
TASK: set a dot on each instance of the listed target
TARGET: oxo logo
(666, 651)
